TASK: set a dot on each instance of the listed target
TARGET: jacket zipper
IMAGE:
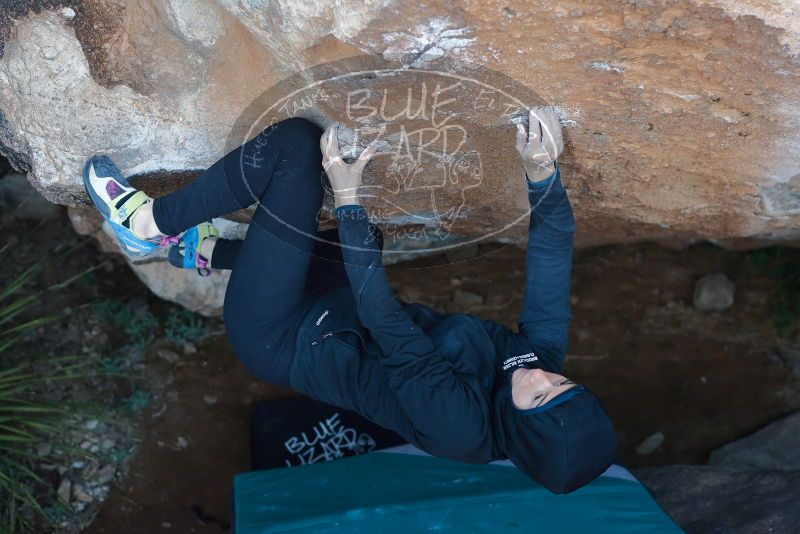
(329, 333)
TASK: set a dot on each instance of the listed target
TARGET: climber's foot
(186, 254)
(118, 202)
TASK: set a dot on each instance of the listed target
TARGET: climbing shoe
(117, 201)
(186, 253)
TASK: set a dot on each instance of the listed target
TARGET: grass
(782, 266)
(138, 323)
(25, 498)
(183, 326)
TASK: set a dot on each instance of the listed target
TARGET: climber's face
(533, 387)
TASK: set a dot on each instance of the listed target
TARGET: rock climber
(314, 310)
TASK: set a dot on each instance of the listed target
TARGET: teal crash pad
(394, 492)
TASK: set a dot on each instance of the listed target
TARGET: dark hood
(562, 445)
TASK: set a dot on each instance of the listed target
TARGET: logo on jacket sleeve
(321, 317)
(520, 359)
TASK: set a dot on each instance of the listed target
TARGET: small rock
(90, 471)
(64, 491)
(78, 464)
(108, 443)
(92, 424)
(44, 449)
(166, 524)
(714, 292)
(68, 13)
(182, 442)
(86, 444)
(105, 474)
(189, 349)
(466, 299)
(81, 495)
(210, 399)
(169, 356)
(650, 444)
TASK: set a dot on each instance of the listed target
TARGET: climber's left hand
(541, 143)
(345, 179)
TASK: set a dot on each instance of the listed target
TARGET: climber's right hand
(540, 144)
(345, 179)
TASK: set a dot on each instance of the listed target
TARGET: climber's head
(554, 430)
(531, 388)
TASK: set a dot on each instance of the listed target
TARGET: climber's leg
(270, 267)
(236, 181)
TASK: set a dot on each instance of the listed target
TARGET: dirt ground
(702, 379)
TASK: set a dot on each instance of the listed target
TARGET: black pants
(282, 261)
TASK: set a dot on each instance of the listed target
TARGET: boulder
(680, 118)
(775, 447)
(716, 499)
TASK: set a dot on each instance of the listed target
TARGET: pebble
(78, 464)
(166, 524)
(182, 442)
(105, 474)
(64, 491)
(44, 449)
(650, 444)
(81, 495)
(68, 13)
(169, 356)
(466, 299)
(713, 292)
(189, 349)
(108, 443)
(92, 424)
(210, 399)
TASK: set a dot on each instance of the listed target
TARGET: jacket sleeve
(545, 314)
(425, 383)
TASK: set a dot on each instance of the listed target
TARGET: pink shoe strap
(168, 240)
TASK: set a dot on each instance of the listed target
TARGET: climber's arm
(425, 383)
(545, 314)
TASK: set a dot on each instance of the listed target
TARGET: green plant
(183, 326)
(783, 267)
(138, 322)
(24, 420)
(137, 401)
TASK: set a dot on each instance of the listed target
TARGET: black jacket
(441, 381)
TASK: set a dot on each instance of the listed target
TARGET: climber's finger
(364, 158)
(534, 130)
(522, 138)
(332, 146)
(548, 141)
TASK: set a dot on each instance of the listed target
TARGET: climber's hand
(540, 145)
(345, 179)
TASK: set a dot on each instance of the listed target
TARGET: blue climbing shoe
(117, 201)
(186, 253)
